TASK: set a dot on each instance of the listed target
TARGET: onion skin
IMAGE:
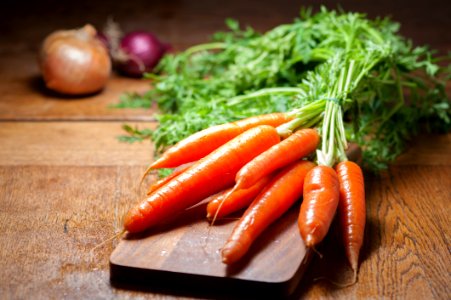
(140, 52)
(75, 62)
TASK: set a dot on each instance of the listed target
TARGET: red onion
(135, 53)
(141, 52)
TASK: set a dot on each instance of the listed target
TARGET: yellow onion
(75, 62)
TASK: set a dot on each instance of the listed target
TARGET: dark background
(65, 179)
(25, 23)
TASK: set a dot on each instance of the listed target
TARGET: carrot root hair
(146, 172)
(316, 251)
(213, 220)
(340, 284)
(117, 235)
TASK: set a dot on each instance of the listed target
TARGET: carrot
(351, 209)
(321, 194)
(209, 175)
(205, 141)
(232, 200)
(273, 119)
(291, 149)
(278, 196)
(156, 185)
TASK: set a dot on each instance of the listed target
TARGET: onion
(134, 53)
(140, 52)
(74, 62)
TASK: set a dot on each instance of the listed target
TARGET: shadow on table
(36, 84)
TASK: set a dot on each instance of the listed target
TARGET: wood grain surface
(66, 181)
(405, 255)
(71, 143)
(52, 218)
(24, 96)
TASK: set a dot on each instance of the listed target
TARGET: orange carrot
(321, 194)
(205, 141)
(293, 148)
(156, 185)
(279, 195)
(232, 200)
(351, 209)
(273, 119)
(209, 175)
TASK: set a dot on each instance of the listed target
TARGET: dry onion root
(75, 62)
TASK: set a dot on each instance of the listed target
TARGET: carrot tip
(353, 257)
(225, 253)
(354, 264)
(309, 241)
(232, 252)
(148, 170)
(225, 260)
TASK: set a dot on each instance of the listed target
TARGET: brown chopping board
(183, 256)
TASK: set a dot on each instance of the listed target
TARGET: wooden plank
(24, 96)
(71, 143)
(52, 218)
(405, 253)
(427, 150)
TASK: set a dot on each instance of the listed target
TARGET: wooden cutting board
(184, 257)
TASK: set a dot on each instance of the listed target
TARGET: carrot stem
(204, 47)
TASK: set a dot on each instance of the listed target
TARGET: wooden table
(66, 181)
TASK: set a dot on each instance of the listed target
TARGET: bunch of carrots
(262, 164)
(265, 163)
